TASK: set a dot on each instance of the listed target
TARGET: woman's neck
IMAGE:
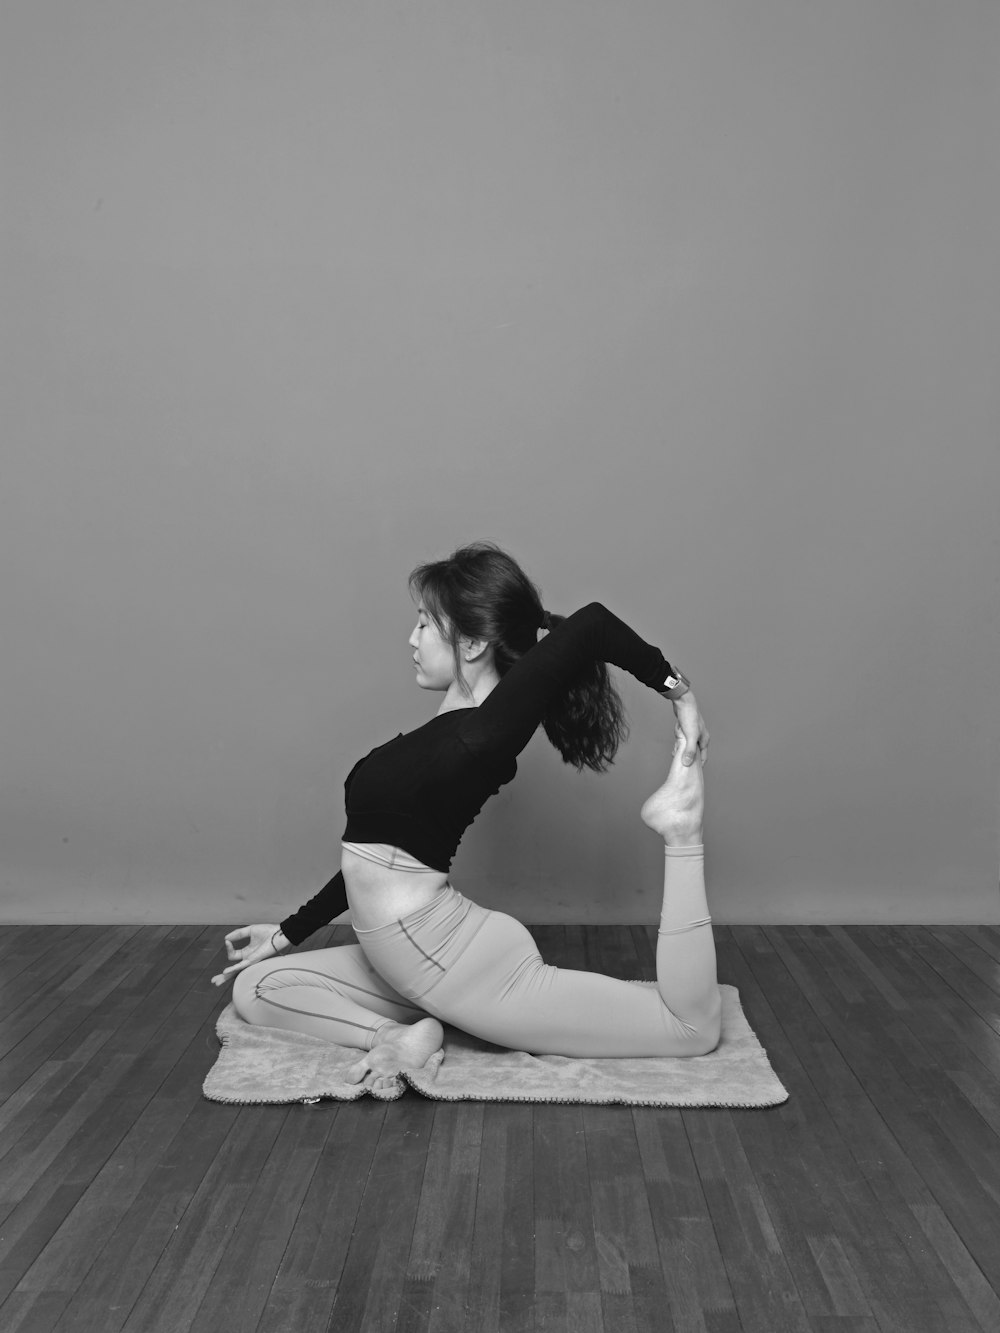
(476, 691)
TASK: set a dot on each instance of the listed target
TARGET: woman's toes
(356, 1073)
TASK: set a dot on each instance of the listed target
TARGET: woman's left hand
(250, 944)
(691, 725)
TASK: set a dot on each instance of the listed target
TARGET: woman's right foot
(397, 1046)
(677, 809)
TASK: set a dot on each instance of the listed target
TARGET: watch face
(671, 683)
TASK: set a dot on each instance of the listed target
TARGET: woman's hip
(418, 951)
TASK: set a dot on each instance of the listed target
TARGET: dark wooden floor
(870, 1201)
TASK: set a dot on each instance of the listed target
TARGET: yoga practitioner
(426, 954)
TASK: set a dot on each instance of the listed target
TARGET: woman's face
(432, 654)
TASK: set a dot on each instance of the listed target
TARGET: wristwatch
(675, 682)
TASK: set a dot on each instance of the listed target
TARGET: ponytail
(587, 724)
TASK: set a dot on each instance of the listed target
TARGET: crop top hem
(388, 855)
(398, 829)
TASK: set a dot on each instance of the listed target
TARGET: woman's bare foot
(397, 1046)
(677, 809)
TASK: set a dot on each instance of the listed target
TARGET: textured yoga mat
(266, 1065)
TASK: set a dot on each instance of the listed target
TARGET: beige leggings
(481, 971)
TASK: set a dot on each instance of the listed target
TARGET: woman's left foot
(397, 1046)
(677, 809)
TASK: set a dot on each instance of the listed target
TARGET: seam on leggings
(310, 1013)
(422, 952)
(683, 930)
(348, 985)
(468, 942)
(465, 945)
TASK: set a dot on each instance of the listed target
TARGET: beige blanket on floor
(258, 1065)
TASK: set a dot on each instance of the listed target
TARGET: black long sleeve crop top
(422, 790)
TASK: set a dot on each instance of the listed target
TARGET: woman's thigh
(503, 992)
(481, 971)
(342, 971)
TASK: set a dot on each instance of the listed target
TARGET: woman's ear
(473, 649)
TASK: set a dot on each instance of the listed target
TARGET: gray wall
(694, 306)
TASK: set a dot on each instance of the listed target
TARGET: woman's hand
(250, 944)
(691, 725)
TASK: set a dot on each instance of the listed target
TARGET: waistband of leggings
(384, 854)
(447, 900)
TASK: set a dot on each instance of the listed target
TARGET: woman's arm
(691, 725)
(318, 911)
(252, 944)
(512, 710)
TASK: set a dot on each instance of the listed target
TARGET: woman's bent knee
(700, 1032)
(709, 1031)
(246, 987)
(245, 994)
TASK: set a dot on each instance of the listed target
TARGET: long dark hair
(480, 592)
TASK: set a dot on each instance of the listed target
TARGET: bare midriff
(378, 895)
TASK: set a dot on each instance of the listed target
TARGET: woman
(425, 952)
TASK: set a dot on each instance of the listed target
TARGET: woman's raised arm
(509, 714)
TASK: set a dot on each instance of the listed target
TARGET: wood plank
(790, 1171)
(440, 1258)
(188, 1264)
(487, 1232)
(516, 1189)
(694, 1275)
(632, 1286)
(895, 1274)
(982, 965)
(99, 1234)
(88, 1119)
(762, 1283)
(43, 956)
(939, 1017)
(92, 1032)
(27, 997)
(613, 951)
(309, 1274)
(371, 1286)
(20, 946)
(871, 1200)
(241, 1283)
(986, 938)
(779, 968)
(559, 945)
(644, 948)
(100, 1002)
(114, 1283)
(565, 1246)
(959, 1131)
